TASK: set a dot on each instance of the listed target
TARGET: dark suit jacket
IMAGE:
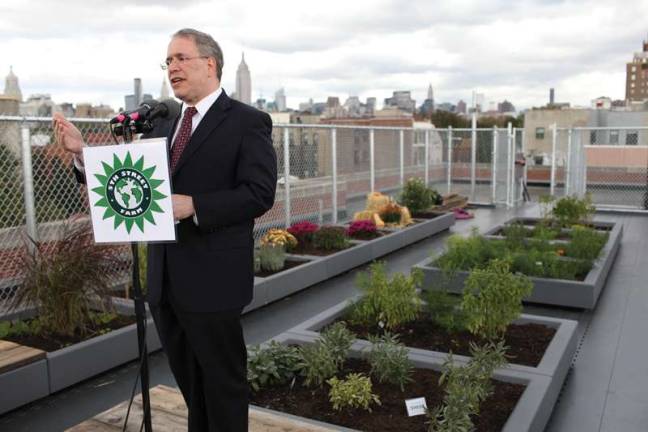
(229, 167)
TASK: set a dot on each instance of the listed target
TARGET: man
(224, 174)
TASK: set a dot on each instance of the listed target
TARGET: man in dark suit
(224, 174)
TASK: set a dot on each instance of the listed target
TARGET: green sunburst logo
(128, 192)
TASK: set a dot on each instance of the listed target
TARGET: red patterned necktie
(184, 134)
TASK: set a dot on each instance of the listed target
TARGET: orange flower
(560, 252)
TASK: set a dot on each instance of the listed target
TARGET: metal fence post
(401, 152)
(28, 185)
(509, 172)
(449, 158)
(427, 157)
(372, 161)
(511, 167)
(494, 166)
(334, 174)
(554, 142)
(286, 151)
(568, 175)
(473, 157)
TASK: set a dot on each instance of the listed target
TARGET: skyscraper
(12, 89)
(164, 90)
(280, 100)
(243, 82)
(637, 76)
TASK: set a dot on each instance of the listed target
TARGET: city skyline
(514, 51)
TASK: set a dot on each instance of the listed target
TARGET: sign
(416, 407)
(129, 192)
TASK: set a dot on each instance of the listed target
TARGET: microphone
(142, 119)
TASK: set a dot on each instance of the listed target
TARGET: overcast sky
(90, 50)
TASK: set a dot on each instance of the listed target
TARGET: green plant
(330, 238)
(387, 303)
(317, 363)
(389, 361)
(466, 387)
(273, 258)
(465, 253)
(546, 205)
(571, 210)
(515, 235)
(585, 243)
(391, 213)
(257, 261)
(417, 197)
(493, 299)
(273, 364)
(338, 339)
(64, 278)
(353, 392)
(445, 310)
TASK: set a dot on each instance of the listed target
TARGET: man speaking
(224, 174)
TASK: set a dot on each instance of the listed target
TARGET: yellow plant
(279, 237)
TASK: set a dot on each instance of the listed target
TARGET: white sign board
(416, 407)
(129, 192)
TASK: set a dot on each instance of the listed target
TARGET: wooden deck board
(169, 414)
(13, 355)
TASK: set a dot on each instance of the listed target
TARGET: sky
(90, 50)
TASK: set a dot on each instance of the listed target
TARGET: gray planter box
(530, 414)
(320, 268)
(559, 292)
(23, 385)
(554, 363)
(86, 359)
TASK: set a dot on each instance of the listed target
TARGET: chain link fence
(324, 175)
(611, 164)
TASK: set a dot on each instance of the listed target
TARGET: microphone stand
(140, 317)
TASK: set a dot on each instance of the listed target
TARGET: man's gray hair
(207, 46)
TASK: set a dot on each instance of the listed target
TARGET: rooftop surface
(606, 389)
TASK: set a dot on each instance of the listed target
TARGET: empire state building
(243, 82)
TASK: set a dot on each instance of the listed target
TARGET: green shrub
(338, 339)
(317, 363)
(466, 387)
(330, 238)
(387, 303)
(274, 364)
(391, 213)
(273, 258)
(515, 235)
(417, 197)
(445, 310)
(465, 253)
(354, 392)
(585, 243)
(493, 299)
(389, 361)
(571, 210)
(64, 278)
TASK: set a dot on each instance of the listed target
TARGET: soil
(365, 235)
(427, 214)
(288, 265)
(53, 342)
(526, 343)
(309, 249)
(391, 415)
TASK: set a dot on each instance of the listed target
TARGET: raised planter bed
(554, 363)
(559, 292)
(67, 366)
(320, 268)
(531, 412)
(23, 375)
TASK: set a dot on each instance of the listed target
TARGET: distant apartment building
(401, 100)
(280, 100)
(618, 124)
(637, 76)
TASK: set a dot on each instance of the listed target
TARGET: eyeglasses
(181, 60)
